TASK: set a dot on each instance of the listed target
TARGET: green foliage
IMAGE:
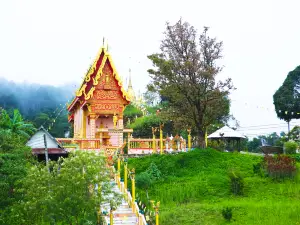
(70, 193)
(287, 98)
(131, 113)
(154, 172)
(237, 183)
(193, 176)
(290, 147)
(227, 213)
(13, 167)
(14, 159)
(15, 124)
(142, 127)
(197, 191)
(219, 145)
(258, 168)
(143, 180)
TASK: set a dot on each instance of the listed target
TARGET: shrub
(237, 183)
(154, 172)
(218, 145)
(258, 169)
(280, 167)
(227, 213)
(290, 147)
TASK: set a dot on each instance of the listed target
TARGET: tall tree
(185, 74)
(287, 98)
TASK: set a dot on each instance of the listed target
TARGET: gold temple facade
(96, 112)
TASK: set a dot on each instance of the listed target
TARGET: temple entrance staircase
(126, 213)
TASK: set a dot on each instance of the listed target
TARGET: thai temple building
(96, 112)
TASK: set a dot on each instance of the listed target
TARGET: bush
(237, 183)
(218, 145)
(258, 169)
(227, 213)
(280, 167)
(154, 172)
(290, 147)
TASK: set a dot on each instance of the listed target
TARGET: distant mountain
(29, 98)
(42, 104)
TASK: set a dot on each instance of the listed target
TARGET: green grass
(195, 187)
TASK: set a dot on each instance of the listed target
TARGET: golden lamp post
(132, 176)
(111, 213)
(154, 129)
(119, 169)
(189, 139)
(161, 126)
(125, 176)
(156, 208)
(111, 217)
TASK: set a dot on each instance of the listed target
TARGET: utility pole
(46, 152)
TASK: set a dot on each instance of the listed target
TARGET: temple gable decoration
(97, 109)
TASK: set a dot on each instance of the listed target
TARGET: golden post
(154, 129)
(125, 177)
(133, 187)
(118, 172)
(189, 139)
(156, 208)
(119, 164)
(161, 138)
(111, 217)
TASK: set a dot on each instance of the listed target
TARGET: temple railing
(136, 145)
(146, 145)
(82, 143)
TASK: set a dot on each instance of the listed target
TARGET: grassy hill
(195, 187)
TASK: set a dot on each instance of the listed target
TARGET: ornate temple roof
(92, 76)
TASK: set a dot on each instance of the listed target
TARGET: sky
(54, 42)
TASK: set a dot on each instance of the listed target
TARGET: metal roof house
(37, 143)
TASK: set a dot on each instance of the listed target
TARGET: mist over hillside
(40, 104)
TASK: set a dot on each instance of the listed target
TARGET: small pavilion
(231, 138)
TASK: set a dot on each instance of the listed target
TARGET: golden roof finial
(129, 81)
(103, 42)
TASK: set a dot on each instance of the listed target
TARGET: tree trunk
(201, 139)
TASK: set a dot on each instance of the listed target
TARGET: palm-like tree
(16, 124)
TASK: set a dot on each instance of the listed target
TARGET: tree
(287, 98)
(15, 124)
(253, 146)
(185, 74)
(71, 193)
